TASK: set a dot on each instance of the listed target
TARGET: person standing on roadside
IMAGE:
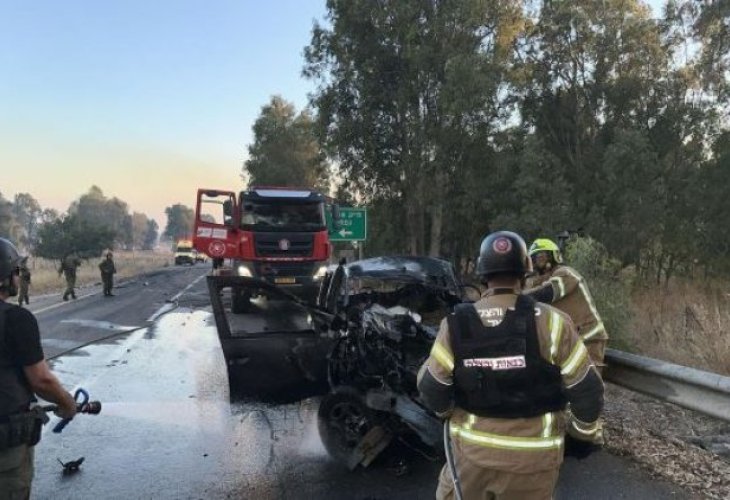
(107, 274)
(24, 282)
(24, 373)
(69, 265)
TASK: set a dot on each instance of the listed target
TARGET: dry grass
(686, 323)
(45, 277)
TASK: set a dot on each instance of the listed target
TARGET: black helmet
(9, 262)
(503, 252)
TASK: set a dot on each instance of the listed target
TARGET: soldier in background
(24, 282)
(69, 265)
(107, 274)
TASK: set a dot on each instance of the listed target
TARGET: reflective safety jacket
(565, 289)
(520, 445)
(498, 370)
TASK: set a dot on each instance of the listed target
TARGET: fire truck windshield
(280, 215)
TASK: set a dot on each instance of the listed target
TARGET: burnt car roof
(429, 270)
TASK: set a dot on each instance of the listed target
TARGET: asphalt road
(136, 303)
(169, 430)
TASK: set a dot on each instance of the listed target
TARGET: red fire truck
(277, 234)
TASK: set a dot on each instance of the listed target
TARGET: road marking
(172, 301)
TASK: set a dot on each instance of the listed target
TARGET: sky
(149, 100)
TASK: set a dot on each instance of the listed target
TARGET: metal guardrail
(698, 390)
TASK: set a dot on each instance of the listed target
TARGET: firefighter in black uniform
(23, 373)
(502, 371)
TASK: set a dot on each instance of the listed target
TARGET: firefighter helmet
(503, 252)
(546, 245)
(9, 262)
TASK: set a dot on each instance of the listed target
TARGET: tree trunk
(412, 226)
(437, 217)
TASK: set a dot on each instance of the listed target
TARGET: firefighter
(501, 371)
(561, 286)
(23, 373)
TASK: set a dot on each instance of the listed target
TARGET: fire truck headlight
(244, 271)
(320, 273)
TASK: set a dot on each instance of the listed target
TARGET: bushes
(609, 285)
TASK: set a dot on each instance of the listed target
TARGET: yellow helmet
(546, 245)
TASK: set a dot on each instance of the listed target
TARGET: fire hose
(83, 405)
(451, 461)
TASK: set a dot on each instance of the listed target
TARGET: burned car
(359, 348)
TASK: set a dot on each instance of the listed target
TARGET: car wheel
(343, 420)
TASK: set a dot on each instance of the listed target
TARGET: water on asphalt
(169, 430)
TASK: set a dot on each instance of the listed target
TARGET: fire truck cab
(278, 234)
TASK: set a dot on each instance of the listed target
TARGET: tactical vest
(15, 393)
(498, 371)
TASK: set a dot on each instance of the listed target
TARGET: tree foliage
(90, 220)
(59, 237)
(285, 151)
(451, 119)
(9, 226)
(27, 213)
(407, 91)
(180, 221)
(96, 210)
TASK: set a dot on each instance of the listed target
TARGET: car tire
(343, 420)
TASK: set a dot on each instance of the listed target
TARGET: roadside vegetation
(600, 118)
(681, 320)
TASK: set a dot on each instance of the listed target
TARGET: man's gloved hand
(577, 448)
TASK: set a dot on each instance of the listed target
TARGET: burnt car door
(280, 358)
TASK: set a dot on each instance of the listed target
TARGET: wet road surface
(137, 302)
(169, 430)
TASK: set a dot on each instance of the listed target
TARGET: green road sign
(353, 225)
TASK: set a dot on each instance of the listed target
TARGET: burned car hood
(281, 359)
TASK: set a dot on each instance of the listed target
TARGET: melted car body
(359, 348)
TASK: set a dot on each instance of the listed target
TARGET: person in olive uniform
(24, 374)
(501, 371)
(69, 265)
(107, 274)
(24, 282)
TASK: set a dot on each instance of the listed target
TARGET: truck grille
(284, 269)
(296, 245)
